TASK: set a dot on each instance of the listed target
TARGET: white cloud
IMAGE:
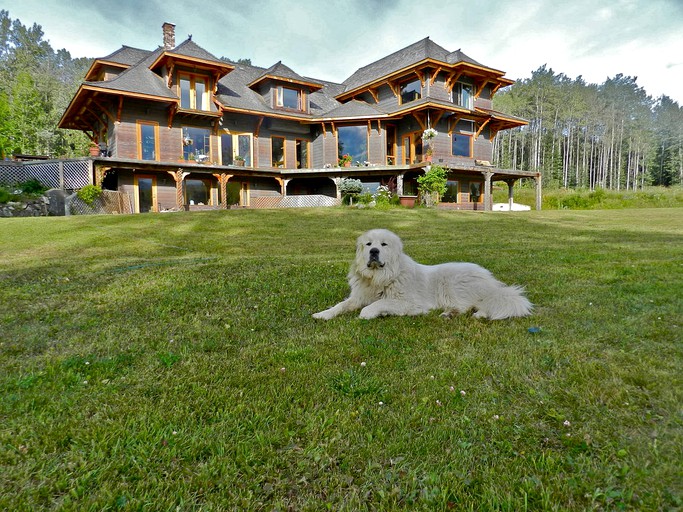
(331, 39)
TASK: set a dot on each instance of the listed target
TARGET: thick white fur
(394, 284)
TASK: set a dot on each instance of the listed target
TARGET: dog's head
(377, 251)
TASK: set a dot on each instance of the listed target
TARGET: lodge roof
(142, 76)
(422, 50)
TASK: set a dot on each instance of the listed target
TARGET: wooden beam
(369, 127)
(480, 89)
(379, 127)
(421, 76)
(118, 113)
(171, 114)
(452, 80)
(453, 122)
(394, 88)
(258, 126)
(106, 111)
(373, 93)
(437, 118)
(434, 75)
(422, 122)
(171, 66)
(324, 130)
(482, 127)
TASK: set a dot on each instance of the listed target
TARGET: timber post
(488, 203)
(511, 184)
(179, 176)
(538, 191)
(223, 179)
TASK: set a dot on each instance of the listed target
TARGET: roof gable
(280, 73)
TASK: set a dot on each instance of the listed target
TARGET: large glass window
(411, 91)
(196, 144)
(463, 95)
(244, 147)
(302, 154)
(451, 195)
(278, 151)
(193, 93)
(147, 141)
(197, 191)
(289, 98)
(462, 144)
(226, 149)
(353, 140)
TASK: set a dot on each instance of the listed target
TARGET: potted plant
(94, 149)
(239, 160)
(427, 136)
(345, 160)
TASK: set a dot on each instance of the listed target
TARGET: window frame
(280, 95)
(205, 98)
(303, 146)
(405, 84)
(456, 95)
(208, 153)
(470, 136)
(249, 158)
(139, 124)
(341, 152)
(284, 151)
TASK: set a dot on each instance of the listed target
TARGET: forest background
(611, 135)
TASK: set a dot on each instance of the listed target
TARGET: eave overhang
(178, 59)
(312, 86)
(74, 116)
(481, 72)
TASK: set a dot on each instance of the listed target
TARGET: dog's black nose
(374, 252)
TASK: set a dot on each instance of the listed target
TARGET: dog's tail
(504, 302)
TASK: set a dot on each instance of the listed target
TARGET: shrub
(5, 195)
(32, 187)
(434, 180)
(89, 194)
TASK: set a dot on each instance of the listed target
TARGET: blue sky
(330, 39)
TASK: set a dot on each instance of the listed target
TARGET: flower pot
(94, 151)
(347, 164)
(239, 163)
(407, 201)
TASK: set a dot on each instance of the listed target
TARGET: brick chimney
(169, 35)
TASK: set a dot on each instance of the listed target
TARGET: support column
(399, 184)
(223, 179)
(179, 176)
(538, 191)
(511, 184)
(337, 184)
(488, 204)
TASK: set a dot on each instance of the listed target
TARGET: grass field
(170, 362)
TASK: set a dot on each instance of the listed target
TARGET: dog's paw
(322, 315)
(367, 315)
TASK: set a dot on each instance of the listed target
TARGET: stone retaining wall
(34, 208)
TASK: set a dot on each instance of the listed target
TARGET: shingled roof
(139, 79)
(126, 55)
(410, 55)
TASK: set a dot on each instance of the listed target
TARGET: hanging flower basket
(429, 134)
(187, 141)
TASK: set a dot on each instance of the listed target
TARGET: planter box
(408, 201)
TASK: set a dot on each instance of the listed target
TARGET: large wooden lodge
(178, 128)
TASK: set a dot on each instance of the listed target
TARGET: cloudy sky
(329, 39)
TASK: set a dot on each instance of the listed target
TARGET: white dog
(385, 281)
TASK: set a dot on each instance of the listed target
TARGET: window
(278, 151)
(289, 98)
(391, 145)
(411, 91)
(234, 145)
(353, 140)
(193, 93)
(196, 144)
(451, 195)
(302, 154)
(463, 95)
(197, 191)
(148, 148)
(462, 145)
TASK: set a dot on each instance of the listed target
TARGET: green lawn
(170, 362)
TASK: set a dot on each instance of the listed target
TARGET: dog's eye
(369, 244)
(384, 244)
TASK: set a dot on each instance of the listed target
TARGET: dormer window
(411, 91)
(289, 98)
(193, 93)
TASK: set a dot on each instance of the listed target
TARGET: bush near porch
(171, 362)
